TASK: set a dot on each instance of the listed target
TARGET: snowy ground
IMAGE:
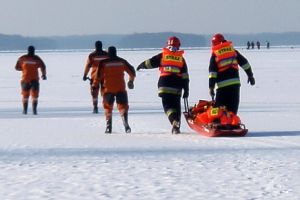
(63, 152)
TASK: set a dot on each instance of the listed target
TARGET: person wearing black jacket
(173, 79)
(223, 73)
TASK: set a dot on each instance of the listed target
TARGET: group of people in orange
(107, 72)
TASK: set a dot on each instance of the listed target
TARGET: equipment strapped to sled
(231, 128)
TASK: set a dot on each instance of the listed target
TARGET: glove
(130, 84)
(185, 94)
(212, 93)
(84, 78)
(251, 80)
(44, 77)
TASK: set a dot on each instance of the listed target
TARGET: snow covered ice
(63, 153)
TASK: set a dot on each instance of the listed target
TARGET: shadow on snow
(273, 133)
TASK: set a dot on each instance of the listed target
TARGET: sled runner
(214, 129)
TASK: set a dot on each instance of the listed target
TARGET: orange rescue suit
(111, 74)
(29, 66)
(93, 63)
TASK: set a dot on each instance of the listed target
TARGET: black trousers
(120, 97)
(172, 106)
(230, 97)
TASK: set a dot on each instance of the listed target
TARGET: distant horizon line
(148, 49)
(139, 33)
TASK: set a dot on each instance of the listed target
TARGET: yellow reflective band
(228, 62)
(170, 111)
(212, 75)
(246, 66)
(185, 76)
(233, 81)
(169, 90)
(148, 64)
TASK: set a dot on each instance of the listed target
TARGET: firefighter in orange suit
(173, 79)
(224, 73)
(92, 63)
(111, 73)
(29, 65)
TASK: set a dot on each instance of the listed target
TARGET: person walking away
(268, 44)
(173, 79)
(248, 45)
(252, 45)
(258, 44)
(92, 64)
(29, 64)
(111, 72)
(224, 73)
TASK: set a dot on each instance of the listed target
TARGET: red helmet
(217, 39)
(174, 42)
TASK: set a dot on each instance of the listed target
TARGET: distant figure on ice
(111, 73)
(258, 44)
(173, 79)
(223, 73)
(30, 85)
(248, 45)
(268, 44)
(252, 45)
(92, 63)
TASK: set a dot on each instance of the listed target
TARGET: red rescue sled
(213, 130)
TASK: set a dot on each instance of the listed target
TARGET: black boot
(95, 110)
(25, 107)
(108, 125)
(176, 127)
(34, 107)
(125, 123)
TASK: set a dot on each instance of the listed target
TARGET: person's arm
(212, 77)
(213, 72)
(151, 63)
(98, 77)
(87, 68)
(130, 70)
(245, 65)
(43, 68)
(185, 80)
(18, 66)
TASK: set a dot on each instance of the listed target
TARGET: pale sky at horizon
(80, 17)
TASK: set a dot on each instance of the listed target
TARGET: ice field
(63, 153)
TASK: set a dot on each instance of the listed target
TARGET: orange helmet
(217, 39)
(174, 42)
